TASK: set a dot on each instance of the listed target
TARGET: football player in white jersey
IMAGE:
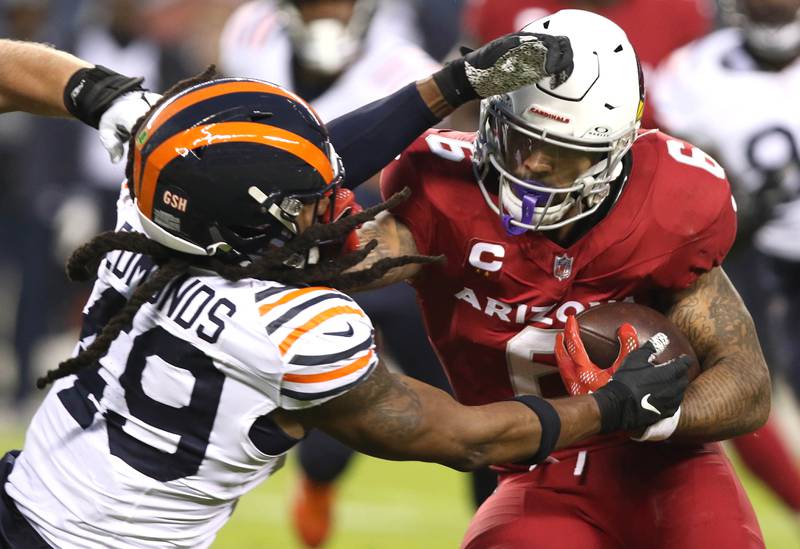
(734, 92)
(214, 340)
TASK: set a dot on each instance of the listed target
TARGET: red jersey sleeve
(416, 211)
(703, 216)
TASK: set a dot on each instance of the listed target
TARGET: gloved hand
(641, 393)
(506, 64)
(117, 122)
(579, 374)
(109, 101)
(344, 204)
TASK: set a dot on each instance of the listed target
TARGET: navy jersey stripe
(316, 360)
(264, 294)
(314, 396)
(297, 309)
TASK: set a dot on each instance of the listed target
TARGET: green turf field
(387, 505)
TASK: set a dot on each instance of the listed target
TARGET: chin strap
(528, 210)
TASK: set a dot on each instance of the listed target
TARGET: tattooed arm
(732, 394)
(396, 417)
(394, 240)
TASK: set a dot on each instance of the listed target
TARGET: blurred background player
(700, 93)
(339, 55)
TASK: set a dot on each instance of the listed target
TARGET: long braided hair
(272, 265)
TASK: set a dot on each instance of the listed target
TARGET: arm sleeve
(370, 137)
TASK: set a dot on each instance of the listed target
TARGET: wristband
(550, 422)
(610, 399)
(454, 83)
(89, 92)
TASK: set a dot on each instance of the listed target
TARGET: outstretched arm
(38, 79)
(396, 417)
(368, 138)
(33, 77)
(732, 394)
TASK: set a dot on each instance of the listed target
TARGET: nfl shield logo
(562, 267)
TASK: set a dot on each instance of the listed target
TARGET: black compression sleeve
(369, 138)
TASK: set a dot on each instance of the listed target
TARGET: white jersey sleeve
(325, 340)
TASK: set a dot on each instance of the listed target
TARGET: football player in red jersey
(560, 202)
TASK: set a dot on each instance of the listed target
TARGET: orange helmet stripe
(193, 97)
(225, 132)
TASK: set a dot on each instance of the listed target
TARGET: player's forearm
(472, 437)
(732, 395)
(398, 418)
(727, 400)
(33, 77)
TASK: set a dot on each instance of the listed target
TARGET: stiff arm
(732, 394)
(396, 417)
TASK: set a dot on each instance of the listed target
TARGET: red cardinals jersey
(654, 27)
(493, 309)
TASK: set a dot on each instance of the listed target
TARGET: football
(598, 329)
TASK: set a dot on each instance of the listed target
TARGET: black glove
(640, 393)
(506, 64)
(90, 92)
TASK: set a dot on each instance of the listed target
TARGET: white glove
(116, 123)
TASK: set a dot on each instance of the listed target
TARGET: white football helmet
(771, 30)
(327, 46)
(597, 110)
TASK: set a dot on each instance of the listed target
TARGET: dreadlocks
(272, 266)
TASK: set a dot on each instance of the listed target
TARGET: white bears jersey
(255, 44)
(153, 447)
(711, 92)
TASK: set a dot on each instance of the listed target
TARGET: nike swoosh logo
(346, 333)
(647, 406)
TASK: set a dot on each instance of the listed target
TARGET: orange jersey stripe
(314, 322)
(226, 132)
(267, 307)
(168, 110)
(334, 374)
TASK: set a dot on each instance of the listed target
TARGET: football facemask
(328, 45)
(593, 116)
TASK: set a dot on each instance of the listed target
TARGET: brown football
(598, 328)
